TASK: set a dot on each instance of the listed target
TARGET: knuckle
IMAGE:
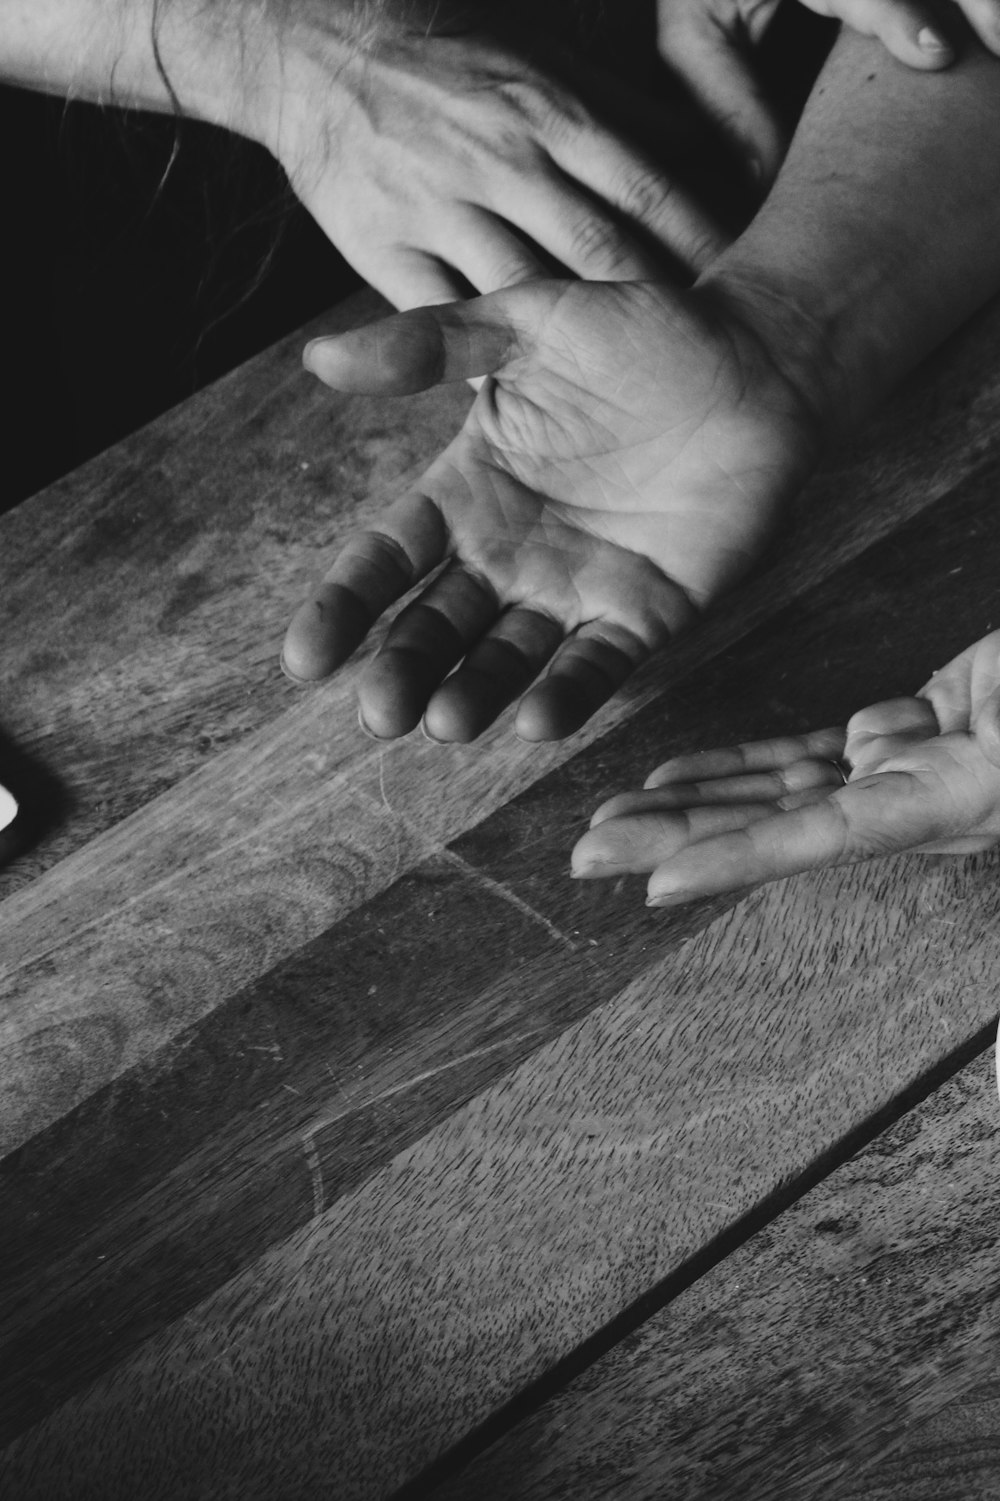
(595, 243)
(541, 103)
(509, 272)
(644, 195)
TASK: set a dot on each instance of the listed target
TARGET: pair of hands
(627, 459)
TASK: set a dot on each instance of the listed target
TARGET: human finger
(772, 755)
(424, 643)
(879, 815)
(489, 254)
(590, 666)
(909, 29)
(884, 729)
(372, 571)
(984, 18)
(413, 279)
(755, 787)
(431, 346)
(593, 243)
(495, 672)
(708, 58)
(637, 844)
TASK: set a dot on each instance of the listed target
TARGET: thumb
(428, 346)
(710, 60)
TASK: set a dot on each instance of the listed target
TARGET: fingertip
(607, 810)
(935, 49)
(307, 655)
(395, 356)
(664, 890)
(447, 721)
(395, 691)
(550, 712)
(324, 632)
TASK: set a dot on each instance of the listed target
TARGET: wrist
(148, 54)
(805, 338)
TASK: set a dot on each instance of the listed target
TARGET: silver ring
(841, 766)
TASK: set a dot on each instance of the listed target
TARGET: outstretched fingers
(774, 758)
(374, 569)
(586, 671)
(493, 674)
(423, 645)
(879, 815)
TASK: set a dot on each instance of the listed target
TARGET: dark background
(125, 292)
(127, 286)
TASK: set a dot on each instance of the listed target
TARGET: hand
(438, 163)
(709, 44)
(626, 463)
(924, 776)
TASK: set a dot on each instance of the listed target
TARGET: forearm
(215, 60)
(882, 232)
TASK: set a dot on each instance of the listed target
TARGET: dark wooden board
(819, 1349)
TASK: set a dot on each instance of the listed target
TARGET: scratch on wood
(362, 1099)
(442, 1068)
(315, 1172)
(504, 892)
(381, 781)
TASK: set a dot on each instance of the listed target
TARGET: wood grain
(253, 1077)
(144, 597)
(279, 1210)
(828, 1340)
(575, 947)
(378, 1335)
(952, 1454)
(307, 769)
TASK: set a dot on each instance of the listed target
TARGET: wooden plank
(309, 773)
(949, 1455)
(144, 597)
(825, 1341)
(175, 559)
(154, 1166)
(166, 846)
(376, 1336)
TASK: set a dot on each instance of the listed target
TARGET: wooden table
(348, 1145)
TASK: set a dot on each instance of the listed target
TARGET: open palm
(924, 777)
(624, 463)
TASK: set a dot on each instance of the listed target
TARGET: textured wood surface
(335, 1117)
(809, 1361)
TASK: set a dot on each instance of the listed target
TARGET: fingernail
(292, 677)
(428, 736)
(588, 870)
(667, 898)
(364, 728)
(931, 41)
(312, 357)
